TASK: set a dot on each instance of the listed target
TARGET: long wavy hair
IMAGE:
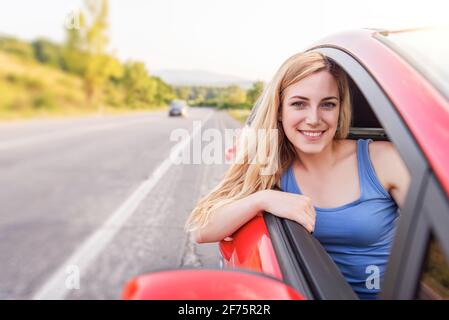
(244, 178)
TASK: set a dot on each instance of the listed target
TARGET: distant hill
(200, 78)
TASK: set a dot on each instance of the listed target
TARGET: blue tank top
(357, 235)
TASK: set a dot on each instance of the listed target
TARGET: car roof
(423, 108)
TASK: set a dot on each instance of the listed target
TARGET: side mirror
(205, 284)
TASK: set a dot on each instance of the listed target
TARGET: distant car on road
(178, 108)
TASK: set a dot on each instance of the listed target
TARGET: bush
(29, 83)
(16, 47)
(16, 105)
(44, 101)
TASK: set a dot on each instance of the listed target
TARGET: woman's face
(310, 111)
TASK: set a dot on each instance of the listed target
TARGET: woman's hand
(298, 208)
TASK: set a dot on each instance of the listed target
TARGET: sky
(245, 38)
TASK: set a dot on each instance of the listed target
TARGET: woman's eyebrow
(329, 98)
(299, 97)
(307, 99)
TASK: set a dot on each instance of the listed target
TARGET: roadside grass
(30, 90)
(67, 112)
(239, 114)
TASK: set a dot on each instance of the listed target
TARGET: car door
(285, 250)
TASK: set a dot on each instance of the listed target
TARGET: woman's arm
(229, 218)
(390, 169)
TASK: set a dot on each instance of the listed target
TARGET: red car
(399, 83)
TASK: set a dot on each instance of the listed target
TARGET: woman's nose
(312, 116)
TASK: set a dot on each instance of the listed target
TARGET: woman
(346, 192)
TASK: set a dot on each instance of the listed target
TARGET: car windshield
(427, 50)
(177, 105)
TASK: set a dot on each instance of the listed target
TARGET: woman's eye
(329, 105)
(299, 104)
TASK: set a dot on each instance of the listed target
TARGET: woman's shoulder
(377, 149)
(386, 162)
(381, 151)
(382, 154)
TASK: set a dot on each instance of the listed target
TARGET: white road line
(51, 136)
(55, 288)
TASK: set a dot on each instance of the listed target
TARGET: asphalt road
(88, 203)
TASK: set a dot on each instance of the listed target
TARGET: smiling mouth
(312, 133)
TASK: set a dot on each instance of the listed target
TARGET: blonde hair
(243, 178)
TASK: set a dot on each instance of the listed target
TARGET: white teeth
(311, 134)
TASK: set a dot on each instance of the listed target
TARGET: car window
(177, 105)
(365, 124)
(434, 282)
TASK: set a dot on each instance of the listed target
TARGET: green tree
(182, 93)
(232, 97)
(85, 49)
(254, 92)
(99, 66)
(140, 88)
(73, 57)
(164, 92)
(47, 52)
(85, 53)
